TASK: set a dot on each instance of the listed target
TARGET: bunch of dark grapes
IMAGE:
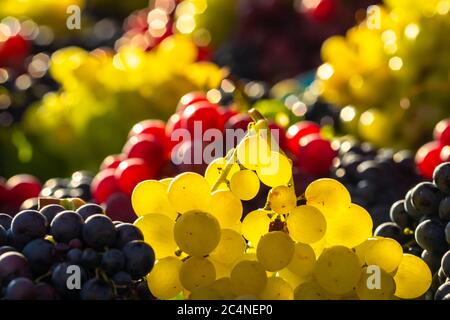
(57, 253)
(77, 186)
(421, 221)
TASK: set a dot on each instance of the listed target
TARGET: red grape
(155, 127)
(445, 154)
(22, 187)
(132, 171)
(226, 114)
(428, 157)
(315, 154)
(324, 10)
(238, 121)
(118, 207)
(112, 161)
(442, 131)
(13, 52)
(190, 98)
(203, 112)
(298, 131)
(146, 147)
(104, 184)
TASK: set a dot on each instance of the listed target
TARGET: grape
(444, 209)
(442, 291)
(329, 196)
(445, 263)
(127, 232)
(413, 277)
(230, 248)
(205, 113)
(157, 128)
(277, 172)
(90, 259)
(277, 289)
(13, 265)
(299, 130)
(5, 221)
(248, 277)
(255, 224)
(390, 230)
(99, 232)
(245, 184)
(430, 235)
(112, 161)
(351, 228)
(432, 259)
(74, 255)
(442, 131)
(409, 207)
(441, 177)
(310, 290)
(104, 184)
(303, 260)
(132, 171)
(89, 209)
(148, 148)
(384, 253)
(197, 272)
(337, 270)
(163, 281)
(29, 224)
(113, 261)
(227, 208)
(66, 225)
(306, 224)
(253, 151)
(214, 170)
(40, 256)
(384, 292)
(190, 235)
(275, 250)
(50, 211)
(150, 197)
(158, 230)
(139, 257)
(428, 157)
(223, 288)
(122, 280)
(20, 289)
(426, 197)
(189, 191)
(315, 154)
(96, 289)
(282, 199)
(118, 207)
(399, 215)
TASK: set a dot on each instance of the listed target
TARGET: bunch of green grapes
(316, 246)
(391, 70)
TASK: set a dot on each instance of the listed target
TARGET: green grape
(214, 170)
(163, 281)
(197, 233)
(275, 250)
(255, 224)
(337, 270)
(282, 199)
(224, 289)
(306, 224)
(189, 191)
(226, 208)
(248, 278)
(253, 151)
(197, 272)
(278, 172)
(150, 197)
(303, 260)
(369, 289)
(329, 196)
(277, 289)
(245, 184)
(350, 228)
(385, 253)
(310, 290)
(230, 248)
(158, 232)
(413, 277)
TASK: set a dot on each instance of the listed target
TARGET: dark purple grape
(66, 277)
(430, 235)
(40, 255)
(444, 209)
(390, 230)
(96, 289)
(139, 257)
(51, 210)
(3, 236)
(16, 241)
(67, 225)
(6, 249)
(433, 260)
(409, 207)
(127, 232)
(29, 224)
(99, 232)
(113, 260)
(75, 243)
(445, 264)
(426, 198)
(5, 221)
(74, 256)
(44, 291)
(122, 279)
(13, 265)
(90, 209)
(399, 215)
(143, 291)
(441, 177)
(442, 291)
(20, 289)
(90, 259)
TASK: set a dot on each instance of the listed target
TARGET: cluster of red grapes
(81, 253)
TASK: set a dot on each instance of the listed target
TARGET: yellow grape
(189, 191)
(226, 208)
(253, 151)
(223, 287)
(413, 277)
(319, 246)
(351, 228)
(361, 250)
(248, 278)
(230, 248)
(337, 270)
(255, 224)
(166, 182)
(306, 224)
(158, 232)
(222, 269)
(197, 233)
(275, 250)
(277, 289)
(150, 197)
(282, 199)
(163, 281)
(214, 170)
(293, 279)
(310, 290)
(245, 184)
(278, 172)
(303, 260)
(197, 272)
(375, 286)
(385, 253)
(329, 196)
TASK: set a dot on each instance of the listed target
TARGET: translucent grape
(158, 232)
(223, 287)
(278, 172)
(351, 228)
(337, 270)
(150, 197)
(361, 250)
(385, 253)
(222, 269)
(310, 290)
(189, 191)
(230, 248)
(197, 233)
(255, 224)
(369, 288)
(197, 272)
(275, 250)
(163, 281)
(248, 278)
(226, 208)
(306, 224)
(214, 170)
(277, 289)
(253, 151)
(293, 279)
(303, 260)
(329, 196)
(413, 277)
(245, 184)
(282, 199)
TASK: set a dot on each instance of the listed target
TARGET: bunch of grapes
(316, 246)
(379, 75)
